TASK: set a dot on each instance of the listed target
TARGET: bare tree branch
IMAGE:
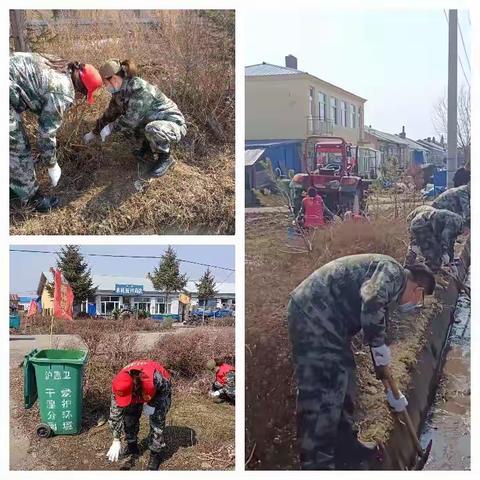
(440, 121)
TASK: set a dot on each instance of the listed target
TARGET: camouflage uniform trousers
(326, 382)
(23, 180)
(161, 133)
(423, 240)
(131, 420)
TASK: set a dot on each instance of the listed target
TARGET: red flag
(32, 308)
(62, 297)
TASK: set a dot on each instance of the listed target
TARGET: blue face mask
(407, 308)
(112, 90)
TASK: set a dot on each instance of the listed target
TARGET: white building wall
(152, 305)
(174, 308)
(98, 304)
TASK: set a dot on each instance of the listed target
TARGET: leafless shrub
(188, 357)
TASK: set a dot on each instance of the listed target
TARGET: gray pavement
(20, 345)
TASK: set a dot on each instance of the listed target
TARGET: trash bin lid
(30, 393)
(50, 356)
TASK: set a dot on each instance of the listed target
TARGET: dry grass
(272, 272)
(40, 324)
(190, 56)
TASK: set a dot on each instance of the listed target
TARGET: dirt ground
(273, 269)
(98, 197)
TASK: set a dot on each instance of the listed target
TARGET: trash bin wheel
(43, 430)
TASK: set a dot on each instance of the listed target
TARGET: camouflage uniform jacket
(457, 200)
(350, 294)
(228, 388)
(445, 225)
(37, 87)
(136, 104)
(115, 421)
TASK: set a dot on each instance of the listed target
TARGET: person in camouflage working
(139, 107)
(223, 388)
(432, 234)
(457, 200)
(143, 385)
(45, 86)
(334, 303)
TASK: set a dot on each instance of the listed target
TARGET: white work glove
(89, 137)
(215, 393)
(148, 410)
(400, 404)
(55, 173)
(445, 259)
(381, 356)
(106, 131)
(114, 451)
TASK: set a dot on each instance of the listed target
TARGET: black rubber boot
(163, 162)
(155, 460)
(144, 151)
(42, 203)
(131, 448)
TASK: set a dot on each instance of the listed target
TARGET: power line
(156, 257)
(458, 56)
(464, 48)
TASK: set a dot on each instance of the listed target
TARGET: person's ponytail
(129, 68)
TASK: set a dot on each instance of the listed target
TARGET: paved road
(256, 210)
(20, 345)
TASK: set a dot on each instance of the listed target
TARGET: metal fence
(319, 126)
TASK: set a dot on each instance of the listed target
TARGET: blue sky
(25, 268)
(396, 59)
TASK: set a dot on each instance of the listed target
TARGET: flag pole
(51, 331)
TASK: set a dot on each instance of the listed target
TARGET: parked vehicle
(331, 167)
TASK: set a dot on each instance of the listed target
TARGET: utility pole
(452, 96)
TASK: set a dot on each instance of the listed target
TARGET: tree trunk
(17, 30)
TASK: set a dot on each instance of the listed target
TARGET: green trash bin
(55, 377)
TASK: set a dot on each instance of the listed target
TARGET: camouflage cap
(110, 68)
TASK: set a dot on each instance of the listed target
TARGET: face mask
(112, 90)
(407, 308)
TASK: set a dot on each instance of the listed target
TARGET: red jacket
(147, 367)
(313, 211)
(221, 376)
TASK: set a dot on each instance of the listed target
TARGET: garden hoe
(422, 454)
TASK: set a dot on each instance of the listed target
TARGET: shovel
(422, 455)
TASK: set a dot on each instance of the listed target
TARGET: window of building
(322, 106)
(311, 101)
(109, 304)
(141, 303)
(343, 117)
(334, 110)
(161, 306)
(353, 116)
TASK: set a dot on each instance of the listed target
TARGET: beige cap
(110, 68)
(211, 364)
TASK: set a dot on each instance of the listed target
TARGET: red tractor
(331, 166)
